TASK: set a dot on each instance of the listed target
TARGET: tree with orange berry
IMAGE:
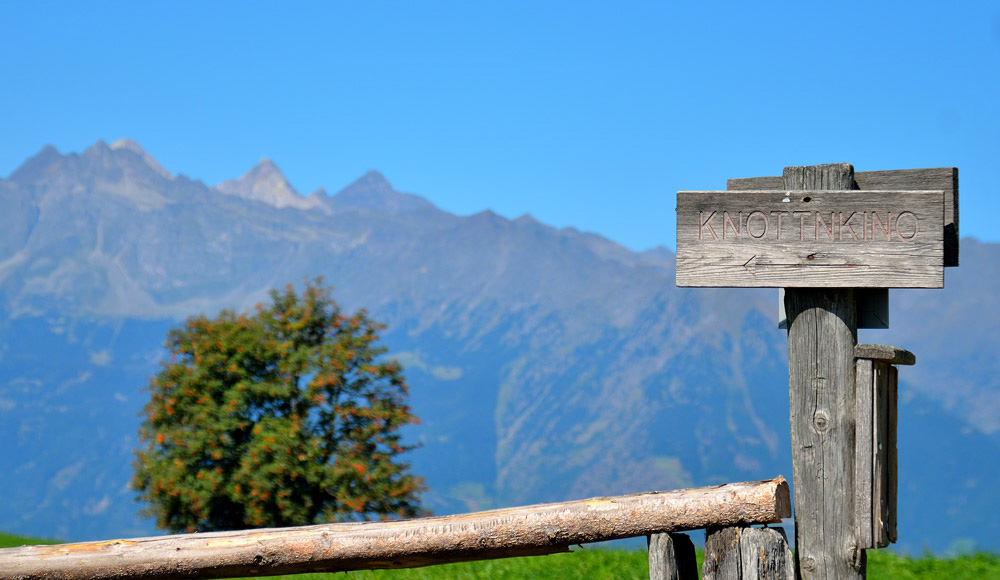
(287, 415)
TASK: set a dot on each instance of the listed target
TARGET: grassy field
(11, 541)
(622, 565)
(625, 564)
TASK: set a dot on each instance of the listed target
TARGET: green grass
(12, 541)
(625, 564)
(885, 565)
(580, 565)
(614, 564)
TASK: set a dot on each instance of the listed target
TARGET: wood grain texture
(672, 557)
(890, 354)
(532, 530)
(864, 474)
(821, 338)
(822, 334)
(883, 398)
(818, 239)
(935, 178)
(892, 457)
(722, 554)
(740, 553)
(764, 555)
(880, 451)
(876, 458)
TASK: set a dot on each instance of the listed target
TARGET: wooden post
(829, 245)
(722, 554)
(672, 557)
(822, 334)
(739, 553)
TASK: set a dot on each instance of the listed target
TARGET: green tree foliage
(289, 415)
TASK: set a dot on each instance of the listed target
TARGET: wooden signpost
(830, 237)
(935, 178)
(815, 239)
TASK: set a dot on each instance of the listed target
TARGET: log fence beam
(523, 531)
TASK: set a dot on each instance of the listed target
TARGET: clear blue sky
(583, 114)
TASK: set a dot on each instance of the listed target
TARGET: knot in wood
(808, 564)
(857, 557)
(821, 421)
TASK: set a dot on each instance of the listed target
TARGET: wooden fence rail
(531, 530)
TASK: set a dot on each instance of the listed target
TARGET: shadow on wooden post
(740, 553)
(672, 557)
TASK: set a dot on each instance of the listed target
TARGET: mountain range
(545, 364)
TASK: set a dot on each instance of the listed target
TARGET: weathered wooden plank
(880, 467)
(822, 333)
(890, 354)
(892, 456)
(532, 530)
(943, 178)
(819, 239)
(935, 178)
(672, 557)
(876, 458)
(722, 554)
(764, 555)
(865, 454)
(770, 182)
(740, 553)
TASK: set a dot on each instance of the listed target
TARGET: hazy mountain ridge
(545, 363)
(266, 183)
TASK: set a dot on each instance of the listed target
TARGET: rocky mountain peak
(266, 167)
(100, 161)
(373, 180)
(265, 174)
(266, 183)
(372, 191)
(99, 147)
(37, 165)
(131, 146)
